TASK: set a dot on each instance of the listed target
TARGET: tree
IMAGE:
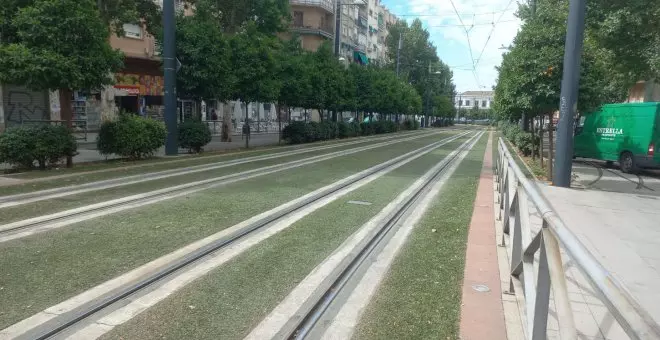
(530, 75)
(56, 44)
(294, 75)
(204, 54)
(267, 16)
(254, 64)
(631, 31)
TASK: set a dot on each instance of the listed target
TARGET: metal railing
(255, 127)
(78, 126)
(536, 261)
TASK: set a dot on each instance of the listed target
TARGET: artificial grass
(44, 269)
(233, 299)
(420, 298)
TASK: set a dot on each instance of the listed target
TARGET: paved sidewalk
(482, 315)
(621, 231)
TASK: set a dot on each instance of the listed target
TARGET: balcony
(313, 30)
(327, 5)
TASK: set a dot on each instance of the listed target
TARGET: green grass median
(420, 298)
(44, 269)
(233, 299)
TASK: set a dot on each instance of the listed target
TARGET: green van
(627, 133)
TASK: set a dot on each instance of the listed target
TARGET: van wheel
(627, 163)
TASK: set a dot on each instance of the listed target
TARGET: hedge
(526, 142)
(45, 145)
(301, 132)
(131, 136)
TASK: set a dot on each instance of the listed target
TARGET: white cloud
(452, 40)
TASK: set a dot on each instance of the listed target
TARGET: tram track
(57, 320)
(41, 195)
(304, 317)
(34, 225)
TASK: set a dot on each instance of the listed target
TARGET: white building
(470, 99)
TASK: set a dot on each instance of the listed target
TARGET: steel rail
(311, 318)
(631, 316)
(78, 214)
(71, 318)
(35, 196)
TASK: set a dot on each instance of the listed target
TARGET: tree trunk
(550, 146)
(66, 114)
(542, 121)
(321, 113)
(278, 109)
(305, 115)
(534, 149)
(289, 114)
(226, 123)
(247, 130)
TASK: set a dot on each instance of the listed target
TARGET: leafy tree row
(229, 51)
(620, 48)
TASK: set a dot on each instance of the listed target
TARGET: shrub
(106, 142)
(410, 124)
(193, 135)
(131, 136)
(46, 145)
(295, 133)
(343, 130)
(355, 129)
(367, 128)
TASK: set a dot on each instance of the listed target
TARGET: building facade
(471, 99)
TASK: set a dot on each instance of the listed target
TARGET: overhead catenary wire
(467, 35)
(499, 20)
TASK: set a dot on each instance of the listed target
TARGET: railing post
(542, 300)
(559, 287)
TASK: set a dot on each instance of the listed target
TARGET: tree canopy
(531, 71)
(53, 44)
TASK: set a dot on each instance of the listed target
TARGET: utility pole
(169, 66)
(337, 27)
(569, 93)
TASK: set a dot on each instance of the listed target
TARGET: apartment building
(313, 21)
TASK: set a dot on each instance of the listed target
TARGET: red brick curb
(482, 314)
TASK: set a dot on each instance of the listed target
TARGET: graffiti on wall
(21, 105)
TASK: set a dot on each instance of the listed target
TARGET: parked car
(626, 133)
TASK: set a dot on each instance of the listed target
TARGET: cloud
(489, 24)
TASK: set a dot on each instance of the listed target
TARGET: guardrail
(78, 126)
(532, 277)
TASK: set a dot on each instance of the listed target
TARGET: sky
(464, 31)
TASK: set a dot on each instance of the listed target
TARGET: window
(483, 103)
(297, 18)
(467, 103)
(133, 31)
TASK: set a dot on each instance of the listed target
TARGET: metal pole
(338, 27)
(169, 66)
(569, 93)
